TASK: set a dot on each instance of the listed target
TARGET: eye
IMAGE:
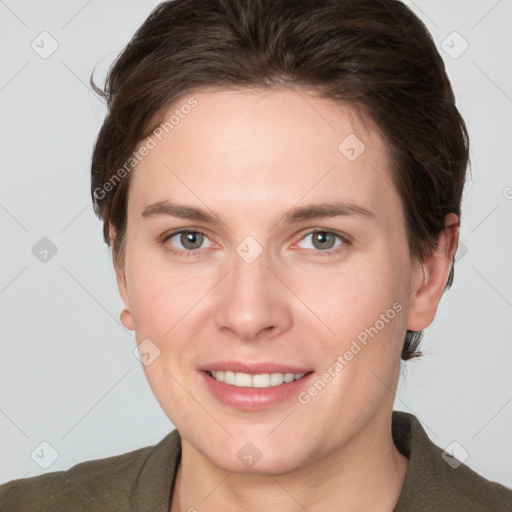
(324, 241)
(190, 240)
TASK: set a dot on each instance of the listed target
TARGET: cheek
(163, 312)
(356, 298)
(160, 294)
(368, 315)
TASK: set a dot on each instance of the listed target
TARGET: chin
(263, 467)
(252, 458)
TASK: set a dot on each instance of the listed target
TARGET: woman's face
(254, 291)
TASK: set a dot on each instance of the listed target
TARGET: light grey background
(68, 376)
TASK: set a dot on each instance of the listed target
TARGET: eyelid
(344, 237)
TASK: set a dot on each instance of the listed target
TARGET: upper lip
(253, 368)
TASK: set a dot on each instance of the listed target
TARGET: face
(265, 239)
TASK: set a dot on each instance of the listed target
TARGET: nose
(253, 302)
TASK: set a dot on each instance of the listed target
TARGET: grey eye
(323, 240)
(189, 240)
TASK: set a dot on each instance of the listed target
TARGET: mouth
(252, 387)
(259, 380)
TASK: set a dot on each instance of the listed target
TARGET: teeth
(262, 380)
(243, 380)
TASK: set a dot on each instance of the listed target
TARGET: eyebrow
(298, 214)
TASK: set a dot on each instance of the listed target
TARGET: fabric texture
(142, 481)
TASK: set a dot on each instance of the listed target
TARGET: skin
(249, 157)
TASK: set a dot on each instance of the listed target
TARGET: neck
(366, 474)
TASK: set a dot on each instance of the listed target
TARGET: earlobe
(127, 319)
(431, 275)
(126, 315)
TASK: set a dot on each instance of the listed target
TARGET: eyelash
(197, 252)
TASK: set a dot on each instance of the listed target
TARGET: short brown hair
(375, 54)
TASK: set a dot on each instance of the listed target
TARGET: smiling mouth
(260, 380)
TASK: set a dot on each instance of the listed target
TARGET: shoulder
(104, 484)
(436, 480)
(457, 485)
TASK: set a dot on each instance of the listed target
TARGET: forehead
(263, 149)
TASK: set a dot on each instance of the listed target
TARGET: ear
(429, 276)
(126, 315)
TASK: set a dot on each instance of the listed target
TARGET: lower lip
(254, 399)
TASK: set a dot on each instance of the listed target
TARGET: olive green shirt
(142, 481)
